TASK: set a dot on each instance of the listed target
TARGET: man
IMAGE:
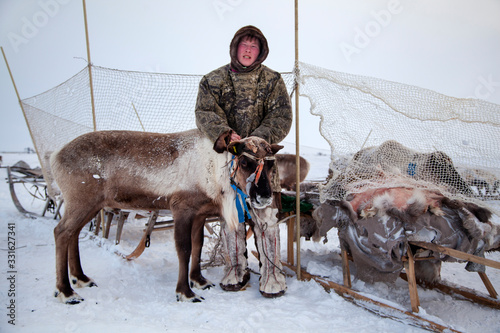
(245, 98)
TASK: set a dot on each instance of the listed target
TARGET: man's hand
(224, 140)
(234, 137)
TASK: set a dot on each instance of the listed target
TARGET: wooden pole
(297, 148)
(137, 114)
(22, 107)
(90, 66)
(457, 254)
(393, 312)
(412, 282)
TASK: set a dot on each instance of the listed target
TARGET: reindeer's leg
(182, 234)
(63, 287)
(197, 279)
(267, 238)
(78, 278)
(66, 234)
(236, 275)
(63, 234)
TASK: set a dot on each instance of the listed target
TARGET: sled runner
(21, 175)
(395, 313)
(153, 224)
(375, 306)
(491, 301)
(409, 275)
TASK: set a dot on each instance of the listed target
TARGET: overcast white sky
(450, 46)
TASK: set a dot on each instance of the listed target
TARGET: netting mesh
(388, 134)
(123, 100)
(381, 133)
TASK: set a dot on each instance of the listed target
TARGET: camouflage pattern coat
(254, 103)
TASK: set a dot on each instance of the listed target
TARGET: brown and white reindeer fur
(377, 201)
(264, 223)
(376, 225)
(183, 172)
(288, 171)
(392, 157)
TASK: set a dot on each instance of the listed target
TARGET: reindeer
(183, 172)
(287, 170)
(391, 156)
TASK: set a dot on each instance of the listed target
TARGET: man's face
(248, 51)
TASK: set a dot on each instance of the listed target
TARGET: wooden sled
(146, 237)
(372, 305)
(390, 311)
(491, 301)
(152, 225)
(409, 276)
(21, 173)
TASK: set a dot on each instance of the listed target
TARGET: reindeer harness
(241, 197)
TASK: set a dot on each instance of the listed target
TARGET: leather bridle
(258, 170)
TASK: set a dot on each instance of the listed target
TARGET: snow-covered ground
(139, 295)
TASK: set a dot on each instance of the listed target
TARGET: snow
(139, 295)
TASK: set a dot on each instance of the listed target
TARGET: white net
(381, 133)
(123, 100)
(388, 134)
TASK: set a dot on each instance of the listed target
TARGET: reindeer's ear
(276, 148)
(236, 147)
(222, 141)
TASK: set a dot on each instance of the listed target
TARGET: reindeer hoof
(73, 299)
(208, 286)
(202, 286)
(193, 299)
(275, 295)
(77, 283)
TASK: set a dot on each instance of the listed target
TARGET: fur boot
(236, 275)
(267, 239)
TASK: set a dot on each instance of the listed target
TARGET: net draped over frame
(381, 133)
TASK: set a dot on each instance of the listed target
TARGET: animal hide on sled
(389, 195)
(376, 226)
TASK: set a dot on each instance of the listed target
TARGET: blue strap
(240, 201)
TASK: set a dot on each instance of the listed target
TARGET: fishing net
(123, 100)
(381, 133)
(388, 134)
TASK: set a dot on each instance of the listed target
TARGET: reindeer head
(253, 164)
(252, 167)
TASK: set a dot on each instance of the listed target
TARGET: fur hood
(250, 31)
